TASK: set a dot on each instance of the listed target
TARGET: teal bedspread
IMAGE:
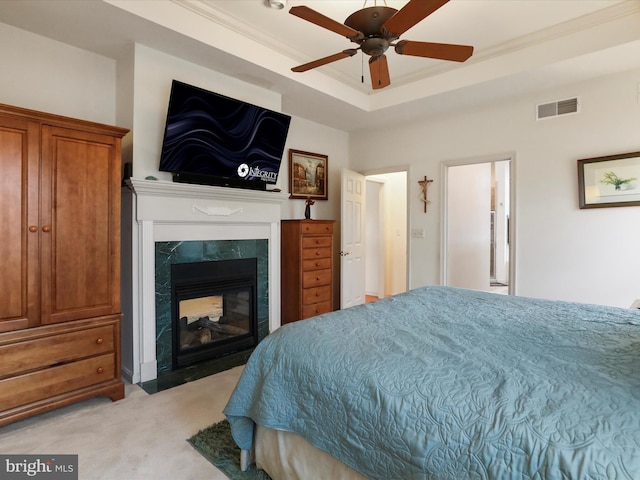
(444, 383)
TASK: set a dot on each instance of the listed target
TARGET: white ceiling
(520, 46)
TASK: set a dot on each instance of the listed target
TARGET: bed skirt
(287, 456)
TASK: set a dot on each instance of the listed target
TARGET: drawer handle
(317, 279)
(33, 228)
(46, 228)
(317, 264)
(317, 252)
(100, 370)
(100, 341)
(317, 294)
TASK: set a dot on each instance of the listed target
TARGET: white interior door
(468, 231)
(352, 216)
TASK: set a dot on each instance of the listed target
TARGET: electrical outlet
(417, 233)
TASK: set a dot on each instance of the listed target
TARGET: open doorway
(374, 249)
(386, 233)
(478, 245)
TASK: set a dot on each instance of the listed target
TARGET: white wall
(49, 76)
(312, 137)
(562, 252)
(153, 72)
(395, 208)
(374, 253)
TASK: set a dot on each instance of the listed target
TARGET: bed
(446, 383)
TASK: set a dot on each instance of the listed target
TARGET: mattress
(450, 383)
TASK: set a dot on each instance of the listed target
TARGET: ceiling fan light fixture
(277, 4)
(375, 29)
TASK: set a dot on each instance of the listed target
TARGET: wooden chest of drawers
(307, 268)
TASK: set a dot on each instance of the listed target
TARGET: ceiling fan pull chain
(362, 66)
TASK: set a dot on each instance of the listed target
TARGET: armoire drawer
(49, 382)
(43, 352)
(316, 278)
(316, 309)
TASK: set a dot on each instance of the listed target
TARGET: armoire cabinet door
(80, 225)
(19, 200)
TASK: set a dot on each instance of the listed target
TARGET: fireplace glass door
(214, 309)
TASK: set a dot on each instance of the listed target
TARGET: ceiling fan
(375, 29)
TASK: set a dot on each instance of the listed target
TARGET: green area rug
(216, 444)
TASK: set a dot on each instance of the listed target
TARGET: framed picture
(308, 175)
(612, 181)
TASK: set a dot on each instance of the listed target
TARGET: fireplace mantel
(159, 211)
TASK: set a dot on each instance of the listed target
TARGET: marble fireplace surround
(166, 212)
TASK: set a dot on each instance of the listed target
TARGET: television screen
(213, 139)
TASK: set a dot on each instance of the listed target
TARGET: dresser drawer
(49, 382)
(316, 309)
(43, 352)
(315, 279)
(310, 253)
(316, 241)
(316, 295)
(318, 264)
(317, 228)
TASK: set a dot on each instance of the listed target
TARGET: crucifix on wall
(423, 191)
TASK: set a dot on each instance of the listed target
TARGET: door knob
(344, 254)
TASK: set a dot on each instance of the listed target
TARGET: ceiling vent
(555, 109)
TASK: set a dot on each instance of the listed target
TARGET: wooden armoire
(60, 256)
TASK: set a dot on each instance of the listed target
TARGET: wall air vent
(555, 109)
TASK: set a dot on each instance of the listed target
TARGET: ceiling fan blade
(442, 51)
(323, 61)
(379, 69)
(412, 13)
(323, 21)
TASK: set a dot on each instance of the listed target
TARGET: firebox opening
(213, 309)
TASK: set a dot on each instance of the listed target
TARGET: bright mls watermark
(49, 467)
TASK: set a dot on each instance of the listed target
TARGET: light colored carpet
(139, 437)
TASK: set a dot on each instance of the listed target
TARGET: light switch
(417, 233)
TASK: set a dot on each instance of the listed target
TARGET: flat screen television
(212, 139)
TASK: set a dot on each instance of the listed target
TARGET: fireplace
(214, 309)
(174, 223)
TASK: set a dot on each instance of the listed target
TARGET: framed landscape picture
(611, 181)
(308, 174)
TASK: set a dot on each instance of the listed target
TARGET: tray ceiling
(520, 46)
